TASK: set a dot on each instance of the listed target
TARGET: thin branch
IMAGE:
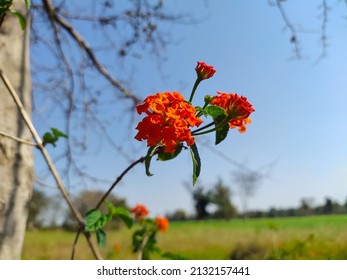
(290, 26)
(323, 37)
(120, 177)
(48, 160)
(18, 139)
(90, 53)
(40, 146)
(75, 244)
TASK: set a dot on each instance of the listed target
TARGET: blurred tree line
(305, 208)
(209, 203)
(40, 209)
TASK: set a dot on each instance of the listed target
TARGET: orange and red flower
(168, 120)
(237, 107)
(117, 247)
(204, 71)
(161, 223)
(140, 211)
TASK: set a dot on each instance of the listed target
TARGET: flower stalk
(196, 84)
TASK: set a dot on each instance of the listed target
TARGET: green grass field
(314, 237)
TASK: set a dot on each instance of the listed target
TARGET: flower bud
(204, 71)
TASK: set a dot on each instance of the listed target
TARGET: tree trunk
(16, 159)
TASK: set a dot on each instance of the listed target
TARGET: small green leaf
(167, 156)
(121, 213)
(91, 218)
(196, 162)
(222, 132)
(48, 138)
(57, 133)
(101, 238)
(21, 19)
(52, 138)
(151, 152)
(95, 220)
(138, 236)
(150, 247)
(215, 111)
(125, 215)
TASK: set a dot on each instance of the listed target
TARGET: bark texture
(16, 159)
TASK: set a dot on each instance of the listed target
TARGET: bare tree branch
(77, 81)
(85, 47)
(294, 36)
(323, 37)
(17, 139)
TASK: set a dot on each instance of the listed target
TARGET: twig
(294, 36)
(40, 145)
(140, 160)
(48, 160)
(83, 44)
(119, 178)
(17, 139)
(323, 36)
(75, 244)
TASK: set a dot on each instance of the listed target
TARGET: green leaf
(21, 19)
(196, 162)
(91, 218)
(125, 215)
(150, 247)
(167, 156)
(101, 237)
(95, 220)
(121, 213)
(52, 138)
(215, 111)
(48, 138)
(151, 152)
(57, 133)
(5, 6)
(138, 236)
(222, 132)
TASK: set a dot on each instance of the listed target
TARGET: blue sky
(299, 122)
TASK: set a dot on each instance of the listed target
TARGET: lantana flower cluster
(145, 237)
(170, 119)
(141, 213)
(237, 107)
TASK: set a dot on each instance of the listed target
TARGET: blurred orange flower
(167, 122)
(161, 223)
(117, 247)
(237, 107)
(140, 211)
(204, 71)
